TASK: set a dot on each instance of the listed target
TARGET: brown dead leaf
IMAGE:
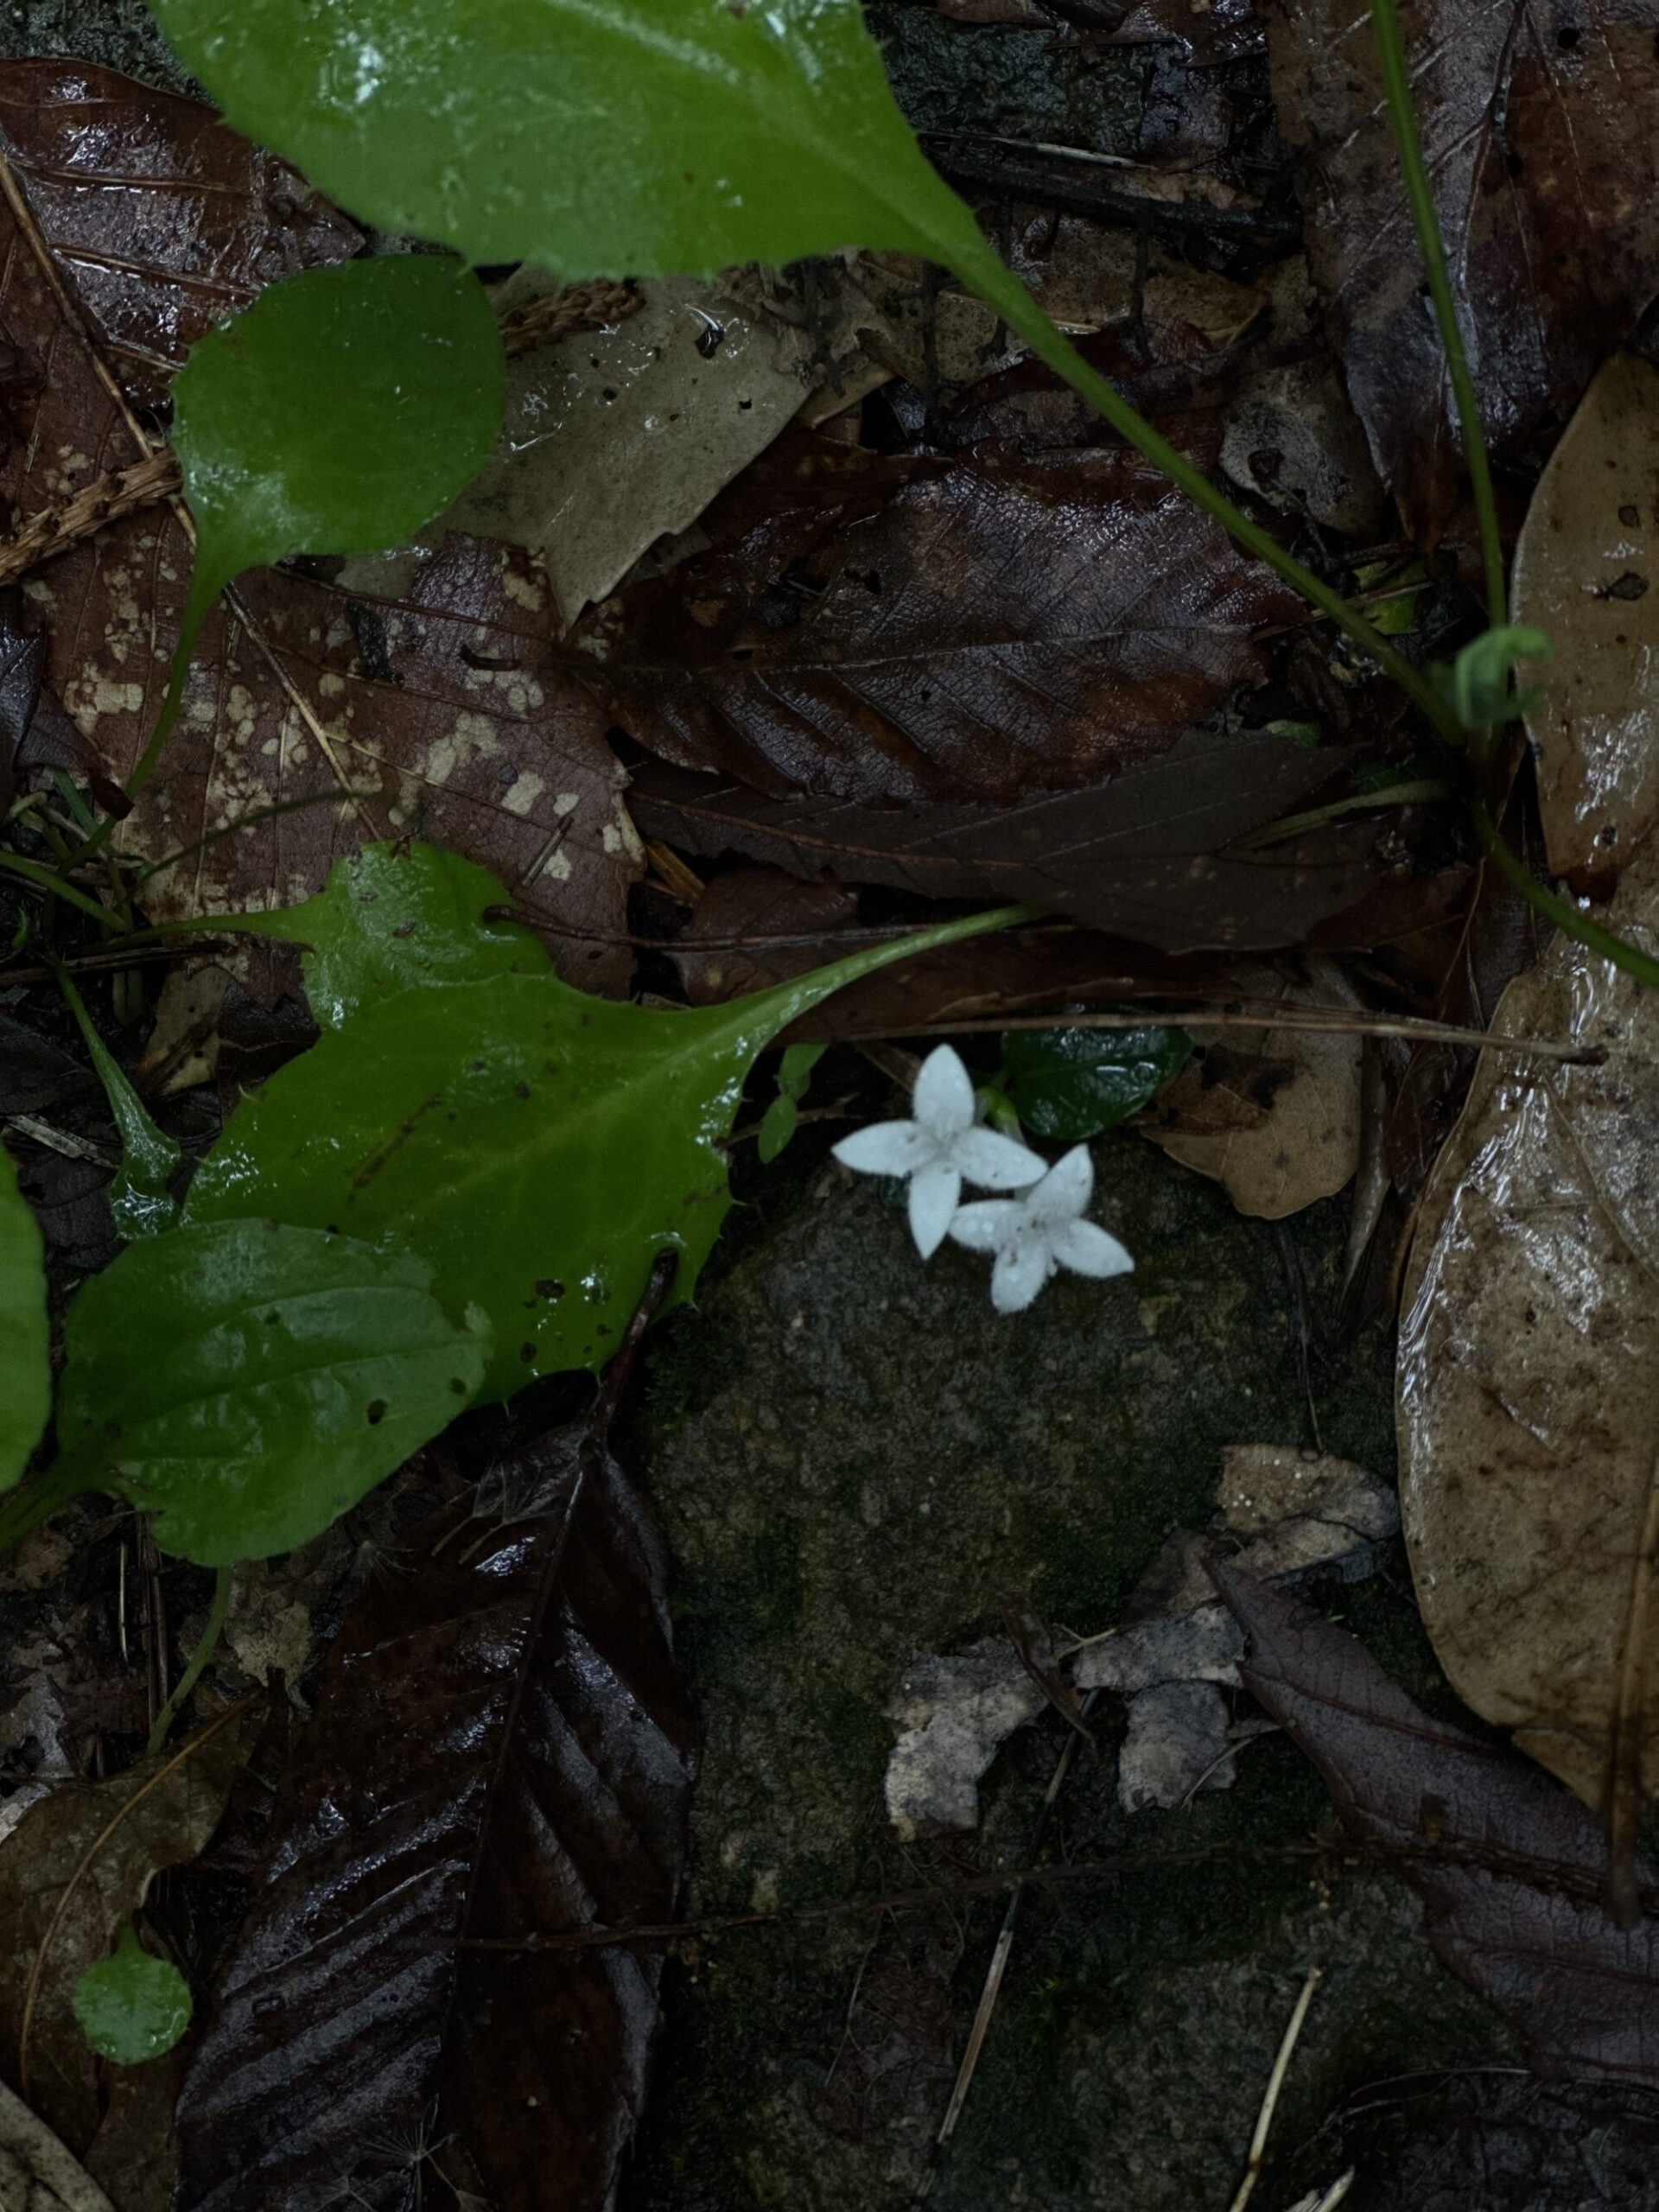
(1272, 1114)
(1144, 855)
(437, 713)
(979, 626)
(1540, 122)
(162, 219)
(1585, 572)
(1528, 1377)
(74, 1869)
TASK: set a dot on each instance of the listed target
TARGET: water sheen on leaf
(1068, 1085)
(540, 1146)
(624, 137)
(132, 2006)
(25, 1367)
(246, 1383)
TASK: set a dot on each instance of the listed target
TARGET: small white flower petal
(986, 1225)
(886, 1149)
(1089, 1250)
(933, 1195)
(1065, 1191)
(942, 1100)
(1020, 1272)
(996, 1163)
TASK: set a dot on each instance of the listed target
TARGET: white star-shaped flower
(1034, 1235)
(939, 1150)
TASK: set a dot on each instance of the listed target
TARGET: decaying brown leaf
(77, 1866)
(977, 626)
(162, 219)
(1272, 1114)
(1529, 1379)
(503, 1747)
(1508, 1866)
(1585, 572)
(437, 713)
(1144, 856)
(1540, 122)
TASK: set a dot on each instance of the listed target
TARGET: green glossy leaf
(141, 1196)
(781, 1118)
(132, 2007)
(604, 137)
(25, 1343)
(246, 1383)
(1071, 1084)
(539, 1145)
(341, 411)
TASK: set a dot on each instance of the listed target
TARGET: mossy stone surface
(856, 1460)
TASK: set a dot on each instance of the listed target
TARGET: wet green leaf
(782, 1117)
(25, 1364)
(132, 2007)
(540, 1146)
(141, 1196)
(619, 138)
(246, 1383)
(344, 410)
(1068, 1085)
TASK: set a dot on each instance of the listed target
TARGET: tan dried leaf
(36, 2173)
(1528, 1376)
(1272, 1114)
(1584, 571)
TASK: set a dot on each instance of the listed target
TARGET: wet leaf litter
(717, 693)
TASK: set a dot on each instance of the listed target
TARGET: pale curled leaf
(1528, 1375)
(36, 2173)
(1585, 572)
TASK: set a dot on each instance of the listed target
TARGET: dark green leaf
(623, 137)
(539, 1145)
(1071, 1084)
(132, 2006)
(344, 410)
(25, 1365)
(246, 1383)
(141, 1196)
(776, 1128)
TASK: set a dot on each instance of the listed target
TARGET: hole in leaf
(378, 1411)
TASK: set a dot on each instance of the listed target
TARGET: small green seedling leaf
(246, 1383)
(132, 2007)
(1479, 682)
(25, 1342)
(345, 407)
(783, 1115)
(539, 1145)
(1068, 1085)
(141, 1196)
(616, 138)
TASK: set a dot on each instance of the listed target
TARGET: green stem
(980, 270)
(42, 879)
(1567, 918)
(197, 1664)
(23, 1511)
(1396, 80)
